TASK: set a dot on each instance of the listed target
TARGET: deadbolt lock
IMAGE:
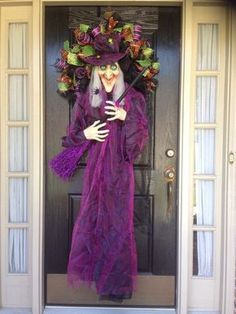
(170, 153)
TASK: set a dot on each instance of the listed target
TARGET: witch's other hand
(93, 132)
(114, 111)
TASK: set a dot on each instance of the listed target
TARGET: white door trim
(184, 160)
(38, 160)
(229, 204)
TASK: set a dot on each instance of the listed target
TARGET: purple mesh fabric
(103, 249)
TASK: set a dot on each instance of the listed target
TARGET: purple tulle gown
(103, 249)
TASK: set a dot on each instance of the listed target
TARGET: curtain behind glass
(18, 44)
(18, 149)
(204, 155)
(204, 151)
(204, 202)
(18, 202)
(203, 253)
(17, 97)
(207, 54)
(17, 253)
(206, 88)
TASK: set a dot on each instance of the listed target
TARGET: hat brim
(105, 58)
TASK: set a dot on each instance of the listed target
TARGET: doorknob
(169, 174)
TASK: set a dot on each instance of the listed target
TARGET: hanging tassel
(66, 162)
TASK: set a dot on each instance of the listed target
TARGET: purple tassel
(96, 31)
(60, 64)
(137, 32)
(66, 162)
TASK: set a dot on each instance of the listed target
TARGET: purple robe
(103, 249)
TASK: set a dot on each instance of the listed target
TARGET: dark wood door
(155, 216)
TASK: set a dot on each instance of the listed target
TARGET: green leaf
(73, 59)
(88, 50)
(117, 29)
(84, 27)
(75, 49)
(66, 45)
(147, 52)
(144, 63)
(63, 87)
(129, 25)
(156, 65)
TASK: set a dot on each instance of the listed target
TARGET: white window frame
(205, 292)
(15, 287)
(229, 194)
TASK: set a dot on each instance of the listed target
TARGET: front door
(155, 217)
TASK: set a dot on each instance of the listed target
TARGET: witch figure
(109, 123)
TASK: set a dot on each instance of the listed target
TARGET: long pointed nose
(108, 73)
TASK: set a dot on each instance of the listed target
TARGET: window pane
(203, 253)
(18, 200)
(17, 250)
(207, 51)
(18, 148)
(204, 154)
(18, 100)
(206, 99)
(18, 43)
(203, 202)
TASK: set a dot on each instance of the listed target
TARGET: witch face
(108, 75)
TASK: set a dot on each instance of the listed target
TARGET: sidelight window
(205, 144)
(18, 147)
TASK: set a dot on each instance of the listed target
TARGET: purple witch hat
(107, 48)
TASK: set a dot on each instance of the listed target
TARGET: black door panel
(155, 232)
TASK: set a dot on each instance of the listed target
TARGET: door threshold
(108, 310)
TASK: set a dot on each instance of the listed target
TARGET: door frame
(39, 180)
(229, 216)
(183, 166)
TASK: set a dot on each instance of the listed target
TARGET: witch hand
(115, 112)
(93, 132)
